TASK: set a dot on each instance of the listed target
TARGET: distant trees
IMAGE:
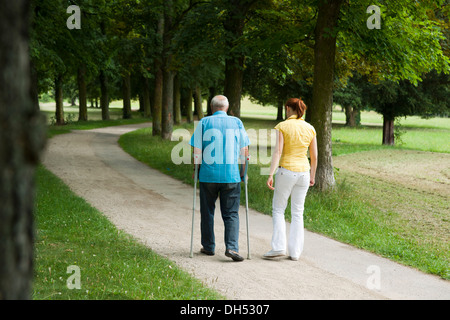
(400, 99)
(174, 54)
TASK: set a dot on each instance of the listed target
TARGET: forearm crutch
(246, 204)
(196, 164)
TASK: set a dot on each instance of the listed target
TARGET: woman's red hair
(297, 105)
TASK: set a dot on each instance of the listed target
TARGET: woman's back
(297, 135)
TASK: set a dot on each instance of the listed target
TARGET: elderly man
(220, 140)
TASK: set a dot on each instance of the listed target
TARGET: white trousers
(294, 185)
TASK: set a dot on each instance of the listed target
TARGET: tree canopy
(167, 52)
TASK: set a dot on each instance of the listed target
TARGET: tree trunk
(168, 75)
(34, 90)
(186, 98)
(198, 105)
(234, 65)
(352, 116)
(158, 94)
(321, 113)
(212, 94)
(157, 102)
(388, 131)
(280, 110)
(141, 102)
(167, 106)
(104, 99)
(234, 74)
(126, 95)
(59, 114)
(146, 98)
(22, 137)
(177, 100)
(82, 94)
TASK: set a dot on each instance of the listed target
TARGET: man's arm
(197, 159)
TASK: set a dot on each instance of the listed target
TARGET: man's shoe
(208, 253)
(233, 255)
(274, 254)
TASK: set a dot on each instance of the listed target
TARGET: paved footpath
(157, 210)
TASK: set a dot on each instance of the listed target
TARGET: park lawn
(346, 214)
(112, 264)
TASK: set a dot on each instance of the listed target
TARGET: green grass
(112, 264)
(346, 214)
(413, 138)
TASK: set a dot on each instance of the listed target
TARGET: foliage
(407, 45)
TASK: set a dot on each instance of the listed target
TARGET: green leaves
(407, 45)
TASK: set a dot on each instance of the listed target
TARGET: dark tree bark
(167, 106)
(22, 137)
(157, 102)
(126, 95)
(322, 103)
(234, 74)
(388, 131)
(141, 102)
(158, 89)
(59, 113)
(234, 65)
(280, 110)
(104, 99)
(168, 74)
(146, 98)
(212, 94)
(82, 93)
(198, 104)
(34, 91)
(177, 100)
(186, 102)
(352, 116)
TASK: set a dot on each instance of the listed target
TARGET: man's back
(220, 138)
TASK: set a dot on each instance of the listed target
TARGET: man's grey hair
(219, 103)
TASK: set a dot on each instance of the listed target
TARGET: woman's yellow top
(297, 134)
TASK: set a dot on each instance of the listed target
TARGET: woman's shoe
(274, 254)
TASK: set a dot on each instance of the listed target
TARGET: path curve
(157, 209)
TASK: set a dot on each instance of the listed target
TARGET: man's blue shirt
(220, 137)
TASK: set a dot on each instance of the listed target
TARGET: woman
(293, 178)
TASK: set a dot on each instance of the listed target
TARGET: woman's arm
(275, 158)
(313, 156)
